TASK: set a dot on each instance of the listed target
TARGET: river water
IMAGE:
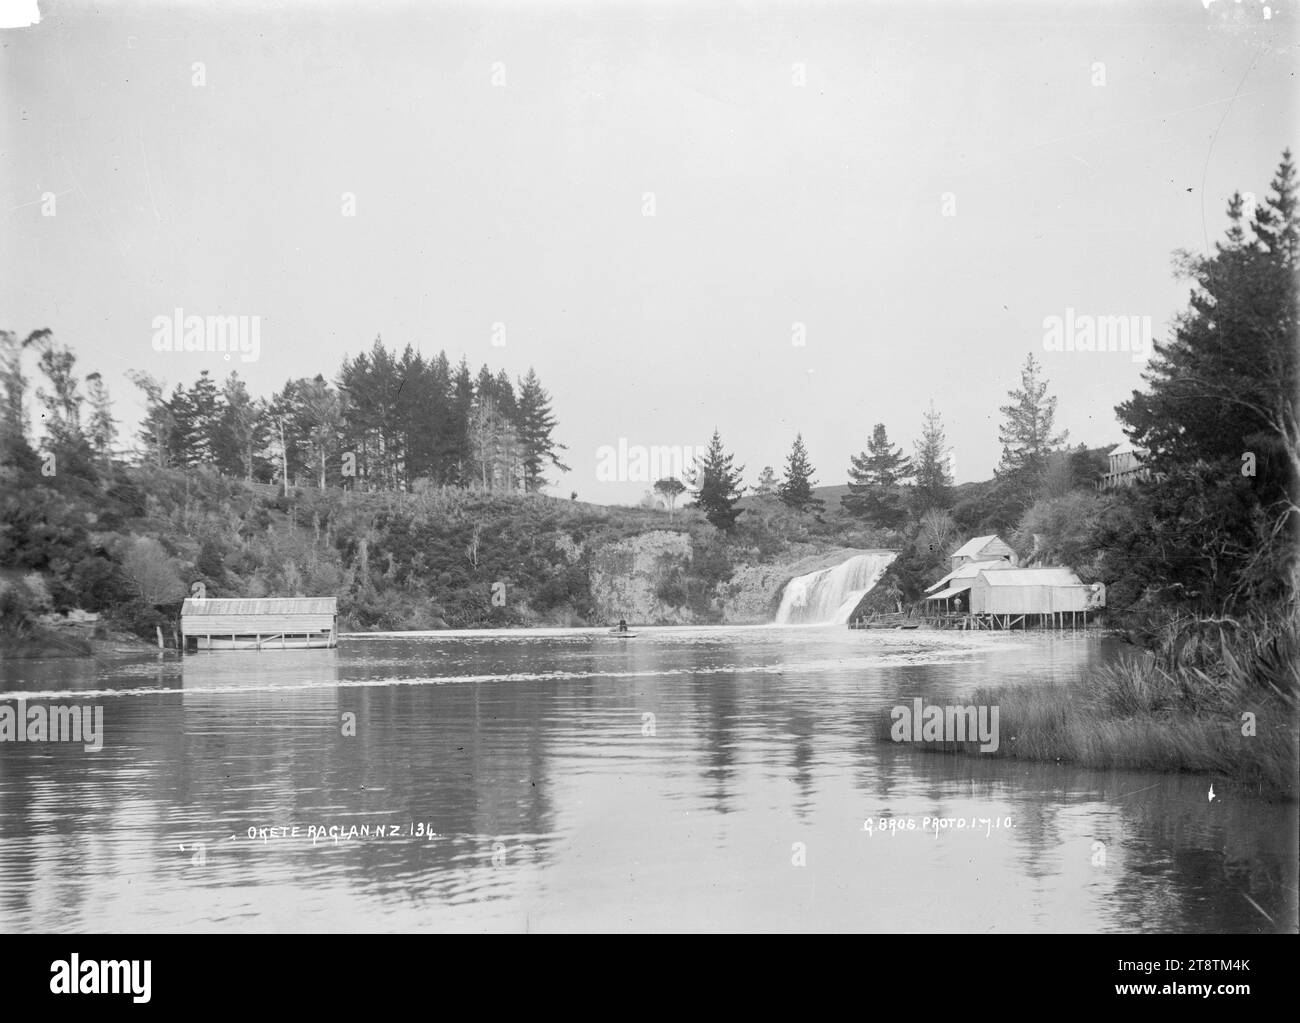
(559, 780)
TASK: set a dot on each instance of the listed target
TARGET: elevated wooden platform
(1062, 621)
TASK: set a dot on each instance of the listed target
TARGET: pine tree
(444, 425)
(506, 401)
(933, 483)
(203, 405)
(321, 413)
(875, 480)
(357, 427)
(1217, 522)
(795, 489)
(535, 423)
(458, 450)
(288, 435)
(882, 464)
(379, 421)
(1276, 226)
(102, 432)
(417, 412)
(716, 485)
(159, 421)
(1026, 432)
(241, 431)
(765, 488)
(181, 438)
(485, 386)
(1225, 383)
(385, 393)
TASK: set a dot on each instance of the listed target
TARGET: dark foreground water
(692, 779)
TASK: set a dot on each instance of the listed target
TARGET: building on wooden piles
(1026, 597)
(1028, 591)
(995, 593)
(261, 623)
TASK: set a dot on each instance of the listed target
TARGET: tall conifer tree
(716, 485)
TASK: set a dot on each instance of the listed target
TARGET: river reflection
(689, 779)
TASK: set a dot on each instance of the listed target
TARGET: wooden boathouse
(987, 589)
(261, 623)
(1054, 597)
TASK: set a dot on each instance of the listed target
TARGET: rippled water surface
(687, 779)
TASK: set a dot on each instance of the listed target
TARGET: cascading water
(828, 597)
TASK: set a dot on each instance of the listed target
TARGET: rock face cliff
(630, 577)
(625, 576)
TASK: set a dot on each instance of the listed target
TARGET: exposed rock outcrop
(627, 578)
(625, 575)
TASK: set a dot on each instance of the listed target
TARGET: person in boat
(622, 625)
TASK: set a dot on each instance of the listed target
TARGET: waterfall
(828, 597)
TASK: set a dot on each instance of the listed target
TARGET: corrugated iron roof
(977, 546)
(952, 591)
(970, 570)
(262, 606)
(1033, 577)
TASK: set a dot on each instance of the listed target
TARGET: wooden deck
(887, 620)
(1060, 621)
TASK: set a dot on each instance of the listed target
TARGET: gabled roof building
(987, 589)
(984, 548)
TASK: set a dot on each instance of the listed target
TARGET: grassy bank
(1218, 697)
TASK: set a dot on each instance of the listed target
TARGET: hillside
(129, 543)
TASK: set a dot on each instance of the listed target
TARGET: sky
(760, 218)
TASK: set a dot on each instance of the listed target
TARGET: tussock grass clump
(1216, 696)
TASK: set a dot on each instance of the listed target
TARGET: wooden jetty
(885, 620)
(261, 623)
